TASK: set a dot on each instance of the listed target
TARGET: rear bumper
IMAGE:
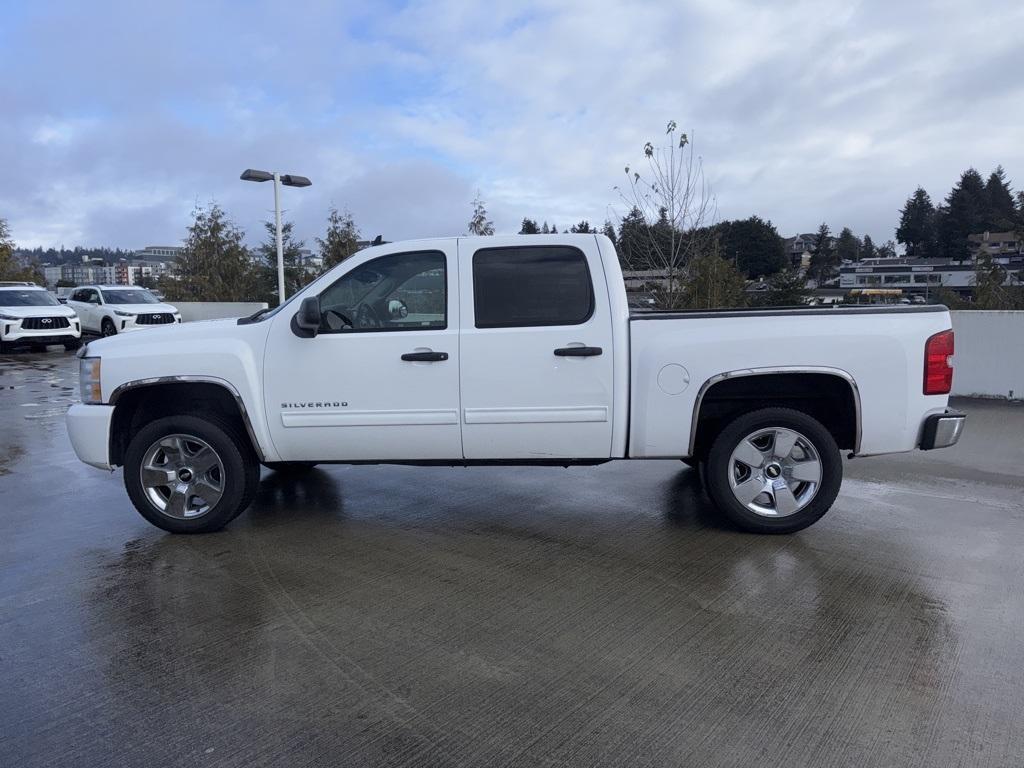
(89, 430)
(941, 430)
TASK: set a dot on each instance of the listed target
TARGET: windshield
(10, 298)
(137, 296)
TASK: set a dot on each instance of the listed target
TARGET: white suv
(112, 309)
(31, 315)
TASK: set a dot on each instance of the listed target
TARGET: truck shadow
(687, 506)
(313, 495)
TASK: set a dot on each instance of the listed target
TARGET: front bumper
(941, 430)
(89, 430)
(15, 333)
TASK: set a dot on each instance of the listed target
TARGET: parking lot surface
(509, 616)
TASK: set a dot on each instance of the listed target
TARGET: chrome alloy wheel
(775, 472)
(182, 476)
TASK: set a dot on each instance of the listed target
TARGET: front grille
(154, 318)
(44, 323)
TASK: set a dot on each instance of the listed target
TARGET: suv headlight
(89, 380)
(9, 317)
(123, 313)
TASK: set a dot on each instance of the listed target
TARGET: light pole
(289, 180)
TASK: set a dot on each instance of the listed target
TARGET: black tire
(72, 345)
(5, 347)
(240, 465)
(290, 467)
(717, 469)
(107, 327)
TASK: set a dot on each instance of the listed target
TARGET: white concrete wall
(989, 359)
(212, 310)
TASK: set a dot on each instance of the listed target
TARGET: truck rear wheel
(187, 474)
(775, 470)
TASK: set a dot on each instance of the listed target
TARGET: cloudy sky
(119, 117)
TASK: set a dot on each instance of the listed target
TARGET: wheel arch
(139, 402)
(829, 394)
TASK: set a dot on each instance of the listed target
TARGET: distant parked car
(30, 314)
(111, 309)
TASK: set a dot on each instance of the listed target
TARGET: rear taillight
(938, 367)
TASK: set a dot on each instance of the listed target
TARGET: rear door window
(529, 286)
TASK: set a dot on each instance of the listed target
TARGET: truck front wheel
(775, 470)
(190, 475)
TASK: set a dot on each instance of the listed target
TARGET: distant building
(159, 253)
(800, 248)
(920, 276)
(999, 245)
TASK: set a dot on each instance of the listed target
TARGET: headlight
(124, 314)
(9, 317)
(89, 380)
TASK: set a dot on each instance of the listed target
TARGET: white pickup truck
(511, 350)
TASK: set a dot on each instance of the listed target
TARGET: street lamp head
(251, 175)
(291, 180)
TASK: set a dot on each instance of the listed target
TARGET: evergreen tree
(753, 244)
(295, 276)
(608, 230)
(214, 264)
(916, 229)
(634, 241)
(710, 282)
(823, 256)
(867, 249)
(583, 228)
(964, 213)
(786, 288)
(529, 227)
(10, 267)
(847, 246)
(1002, 214)
(554, 230)
(341, 241)
(480, 225)
(545, 229)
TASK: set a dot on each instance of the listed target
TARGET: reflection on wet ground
(408, 616)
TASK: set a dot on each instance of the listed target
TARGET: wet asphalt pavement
(490, 616)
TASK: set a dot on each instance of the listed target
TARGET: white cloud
(803, 110)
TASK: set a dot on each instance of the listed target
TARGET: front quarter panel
(219, 351)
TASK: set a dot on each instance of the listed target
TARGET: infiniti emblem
(46, 320)
(155, 315)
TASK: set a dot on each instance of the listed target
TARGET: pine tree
(753, 244)
(1002, 213)
(545, 229)
(529, 227)
(786, 288)
(479, 224)
(823, 256)
(341, 241)
(867, 249)
(634, 241)
(12, 269)
(847, 246)
(295, 276)
(964, 214)
(583, 228)
(916, 229)
(608, 230)
(214, 264)
(711, 282)
(554, 230)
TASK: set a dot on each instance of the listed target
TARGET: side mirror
(306, 322)
(397, 310)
